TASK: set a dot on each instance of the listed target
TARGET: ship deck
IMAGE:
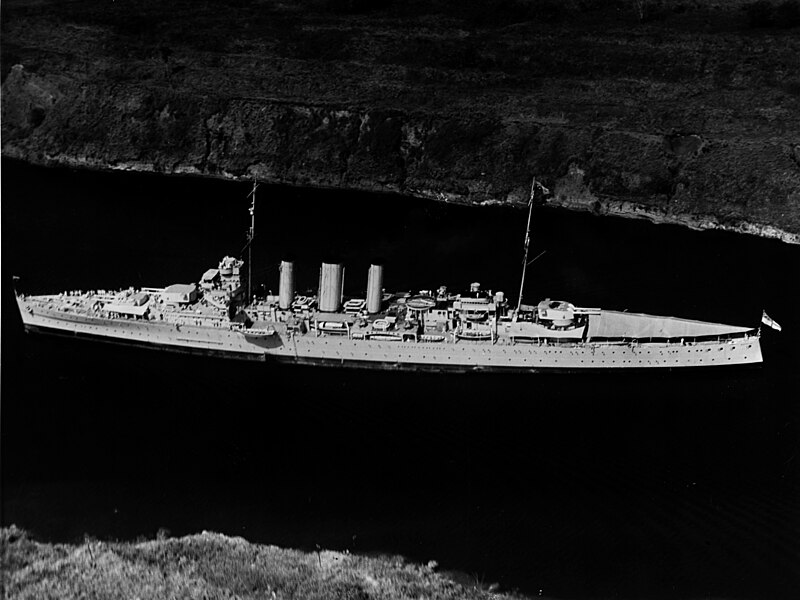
(339, 339)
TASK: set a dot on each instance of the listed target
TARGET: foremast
(251, 234)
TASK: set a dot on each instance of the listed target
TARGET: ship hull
(339, 351)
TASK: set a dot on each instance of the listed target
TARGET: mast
(527, 244)
(250, 235)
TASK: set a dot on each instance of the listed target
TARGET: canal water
(626, 485)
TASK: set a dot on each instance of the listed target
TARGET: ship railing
(627, 341)
(546, 341)
(698, 339)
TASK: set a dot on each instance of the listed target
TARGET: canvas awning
(180, 288)
(335, 317)
(612, 324)
(126, 309)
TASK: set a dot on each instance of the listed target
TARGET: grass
(211, 566)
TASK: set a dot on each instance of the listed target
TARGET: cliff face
(692, 118)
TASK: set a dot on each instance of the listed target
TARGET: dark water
(673, 485)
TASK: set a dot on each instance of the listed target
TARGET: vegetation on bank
(211, 566)
(677, 110)
(219, 25)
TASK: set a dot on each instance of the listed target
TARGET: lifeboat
(256, 334)
(474, 333)
(431, 337)
(384, 336)
(421, 302)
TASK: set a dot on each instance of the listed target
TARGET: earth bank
(688, 115)
(210, 566)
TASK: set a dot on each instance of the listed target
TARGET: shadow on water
(655, 484)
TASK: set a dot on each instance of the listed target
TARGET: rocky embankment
(691, 117)
(212, 566)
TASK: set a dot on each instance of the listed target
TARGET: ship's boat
(257, 333)
(421, 302)
(470, 333)
(431, 337)
(384, 336)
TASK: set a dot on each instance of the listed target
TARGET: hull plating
(461, 356)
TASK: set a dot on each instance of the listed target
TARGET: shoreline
(631, 210)
(582, 202)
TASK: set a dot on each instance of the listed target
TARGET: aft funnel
(331, 285)
(286, 286)
(374, 289)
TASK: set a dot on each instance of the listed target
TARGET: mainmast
(250, 235)
(534, 185)
(527, 245)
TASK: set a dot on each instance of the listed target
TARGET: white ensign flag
(767, 320)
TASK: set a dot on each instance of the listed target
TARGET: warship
(429, 329)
